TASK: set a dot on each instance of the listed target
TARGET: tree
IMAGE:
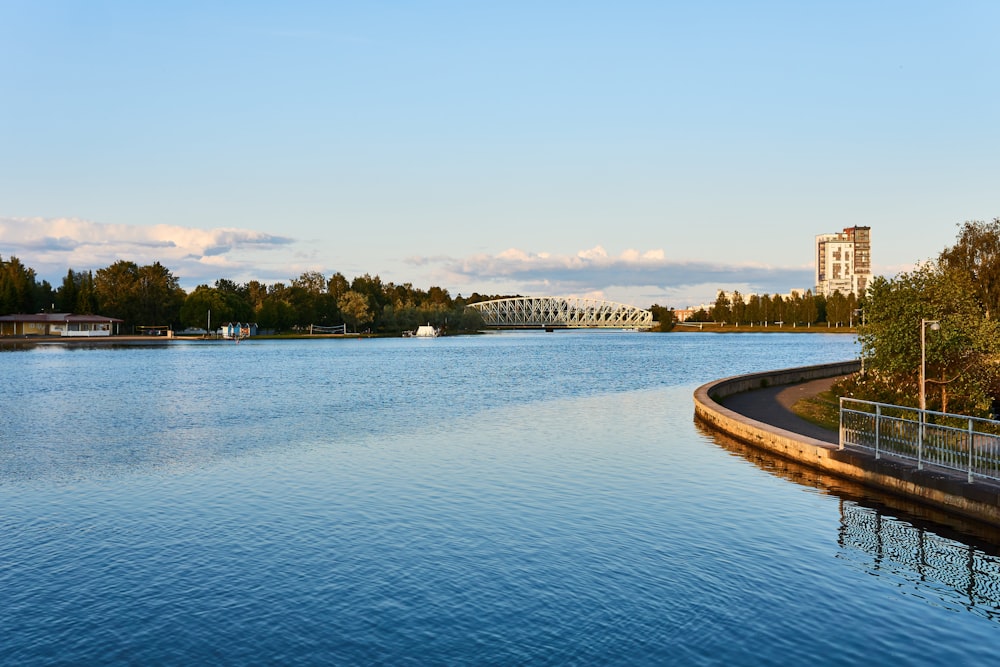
(275, 314)
(159, 295)
(664, 316)
(808, 309)
(354, 308)
(977, 256)
(313, 282)
(739, 309)
(838, 310)
(337, 286)
(86, 297)
(18, 288)
(139, 295)
(722, 311)
(205, 300)
(115, 287)
(68, 293)
(237, 299)
(962, 370)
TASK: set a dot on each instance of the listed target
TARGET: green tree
(337, 285)
(159, 295)
(19, 291)
(355, 309)
(739, 309)
(664, 317)
(275, 314)
(115, 288)
(722, 311)
(808, 309)
(838, 310)
(961, 356)
(205, 302)
(977, 256)
(67, 296)
(86, 297)
(238, 301)
(146, 295)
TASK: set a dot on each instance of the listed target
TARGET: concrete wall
(980, 500)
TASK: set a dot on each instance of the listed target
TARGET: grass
(821, 410)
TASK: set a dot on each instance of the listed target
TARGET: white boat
(426, 331)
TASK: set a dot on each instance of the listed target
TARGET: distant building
(844, 262)
(57, 324)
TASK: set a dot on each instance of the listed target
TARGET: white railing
(956, 442)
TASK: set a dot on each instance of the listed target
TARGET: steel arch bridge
(554, 312)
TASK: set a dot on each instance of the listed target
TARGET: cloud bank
(53, 245)
(635, 275)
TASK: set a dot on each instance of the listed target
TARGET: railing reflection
(918, 554)
(891, 535)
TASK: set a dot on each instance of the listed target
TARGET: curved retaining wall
(980, 500)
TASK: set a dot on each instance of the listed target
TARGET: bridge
(554, 312)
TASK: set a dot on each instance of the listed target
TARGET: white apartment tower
(844, 261)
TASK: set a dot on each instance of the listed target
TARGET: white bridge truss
(551, 312)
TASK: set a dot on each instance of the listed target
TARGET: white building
(843, 261)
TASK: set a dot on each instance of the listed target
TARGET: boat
(426, 331)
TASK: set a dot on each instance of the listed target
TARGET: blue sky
(639, 151)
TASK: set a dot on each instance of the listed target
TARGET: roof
(59, 318)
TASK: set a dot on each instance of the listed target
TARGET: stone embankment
(979, 499)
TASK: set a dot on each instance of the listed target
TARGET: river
(514, 498)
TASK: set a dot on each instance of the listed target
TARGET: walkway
(756, 409)
(773, 405)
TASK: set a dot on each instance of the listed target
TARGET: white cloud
(637, 276)
(53, 245)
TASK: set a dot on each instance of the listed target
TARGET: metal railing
(955, 442)
(557, 311)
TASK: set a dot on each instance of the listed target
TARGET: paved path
(772, 405)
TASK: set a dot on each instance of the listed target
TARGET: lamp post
(861, 315)
(935, 325)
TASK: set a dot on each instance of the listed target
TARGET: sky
(643, 152)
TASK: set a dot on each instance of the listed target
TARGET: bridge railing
(941, 439)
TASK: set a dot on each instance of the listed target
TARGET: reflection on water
(947, 559)
(921, 558)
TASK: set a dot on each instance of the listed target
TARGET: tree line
(150, 295)
(804, 309)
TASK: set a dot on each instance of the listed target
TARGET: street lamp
(861, 315)
(935, 326)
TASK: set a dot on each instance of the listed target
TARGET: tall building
(844, 261)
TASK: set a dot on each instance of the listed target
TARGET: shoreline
(979, 500)
(30, 341)
(714, 327)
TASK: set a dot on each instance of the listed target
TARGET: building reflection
(894, 536)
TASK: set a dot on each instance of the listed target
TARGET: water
(502, 499)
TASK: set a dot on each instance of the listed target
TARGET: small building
(237, 330)
(58, 324)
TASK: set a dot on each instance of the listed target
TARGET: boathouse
(58, 324)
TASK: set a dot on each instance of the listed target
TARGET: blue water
(517, 498)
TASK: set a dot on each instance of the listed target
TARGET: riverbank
(722, 327)
(758, 420)
(30, 341)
